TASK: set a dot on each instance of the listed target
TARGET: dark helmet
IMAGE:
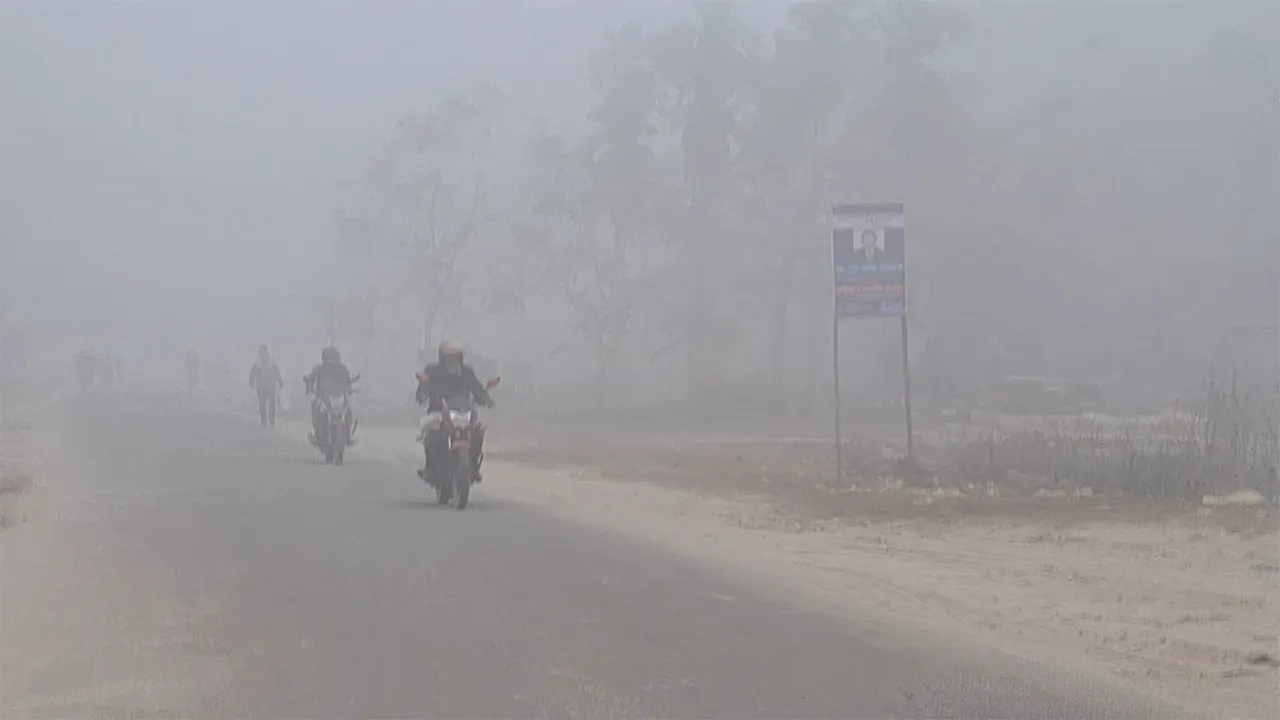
(449, 349)
(330, 355)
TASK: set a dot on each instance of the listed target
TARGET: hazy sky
(188, 150)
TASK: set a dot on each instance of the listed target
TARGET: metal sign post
(868, 260)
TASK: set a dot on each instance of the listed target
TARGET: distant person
(107, 370)
(86, 369)
(191, 373)
(265, 378)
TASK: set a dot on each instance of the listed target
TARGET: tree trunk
(704, 343)
(782, 284)
(703, 375)
(604, 366)
(814, 333)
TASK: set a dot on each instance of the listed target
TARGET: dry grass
(16, 475)
(1223, 442)
(1062, 471)
(798, 480)
(14, 482)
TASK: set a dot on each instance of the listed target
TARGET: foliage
(691, 212)
(429, 197)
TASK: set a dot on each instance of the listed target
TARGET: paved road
(189, 563)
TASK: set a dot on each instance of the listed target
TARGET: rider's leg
(317, 419)
(262, 408)
(477, 452)
(274, 401)
(426, 460)
(428, 436)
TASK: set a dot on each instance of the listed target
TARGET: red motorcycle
(446, 436)
(337, 429)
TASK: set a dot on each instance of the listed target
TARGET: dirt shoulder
(1174, 600)
(20, 465)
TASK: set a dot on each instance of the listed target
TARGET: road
(181, 561)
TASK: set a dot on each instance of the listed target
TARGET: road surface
(182, 561)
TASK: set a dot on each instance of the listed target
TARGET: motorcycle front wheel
(462, 479)
(338, 445)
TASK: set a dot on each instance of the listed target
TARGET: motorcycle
(334, 435)
(449, 446)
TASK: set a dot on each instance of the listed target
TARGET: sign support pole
(835, 375)
(906, 393)
(868, 259)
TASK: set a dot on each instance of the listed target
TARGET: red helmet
(449, 348)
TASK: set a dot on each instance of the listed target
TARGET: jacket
(442, 385)
(329, 379)
(265, 378)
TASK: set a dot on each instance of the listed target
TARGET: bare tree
(593, 205)
(433, 195)
(709, 65)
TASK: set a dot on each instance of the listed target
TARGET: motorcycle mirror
(492, 383)
(355, 378)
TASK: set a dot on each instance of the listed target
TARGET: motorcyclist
(450, 377)
(331, 377)
(265, 377)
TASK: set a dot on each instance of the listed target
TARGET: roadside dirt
(797, 479)
(1175, 600)
(19, 465)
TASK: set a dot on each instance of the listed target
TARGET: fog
(627, 202)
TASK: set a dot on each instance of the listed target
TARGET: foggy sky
(168, 167)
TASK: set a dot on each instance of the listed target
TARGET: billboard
(868, 256)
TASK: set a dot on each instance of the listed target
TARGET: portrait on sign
(869, 239)
(871, 244)
(868, 253)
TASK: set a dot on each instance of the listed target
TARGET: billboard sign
(868, 256)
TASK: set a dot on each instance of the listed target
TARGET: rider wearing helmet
(450, 377)
(330, 377)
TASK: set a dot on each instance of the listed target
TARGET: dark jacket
(329, 379)
(442, 385)
(265, 378)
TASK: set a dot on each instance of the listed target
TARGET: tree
(432, 195)
(709, 66)
(907, 138)
(592, 205)
(798, 106)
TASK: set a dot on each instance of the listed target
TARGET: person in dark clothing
(330, 377)
(450, 377)
(191, 373)
(86, 369)
(266, 379)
